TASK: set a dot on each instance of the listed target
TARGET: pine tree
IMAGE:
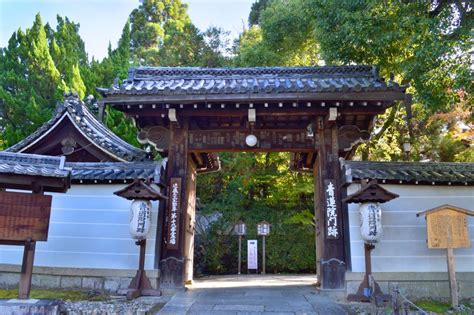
(30, 84)
(68, 52)
(76, 84)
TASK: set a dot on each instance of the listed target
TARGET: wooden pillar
(27, 270)
(318, 214)
(453, 286)
(328, 207)
(176, 239)
(190, 223)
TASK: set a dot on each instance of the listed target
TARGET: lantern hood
(371, 192)
(141, 190)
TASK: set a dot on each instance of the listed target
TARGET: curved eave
(50, 126)
(51, 130)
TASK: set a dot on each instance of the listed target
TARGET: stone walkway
(253, 294)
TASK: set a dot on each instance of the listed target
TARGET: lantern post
(263, 229)
(241, 229)
(369, 196)
(142, 194)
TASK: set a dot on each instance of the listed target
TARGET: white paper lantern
(370, 222)
(140, 218)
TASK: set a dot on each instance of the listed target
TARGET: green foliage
(256, 10)
(67, 50)
(153, 22)
(426, 44)
(281, 37)
(442, 307)
(30, 83)
(66, 295)
(38, 66)
(252, 188)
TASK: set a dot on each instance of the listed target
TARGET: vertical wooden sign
(174, 204)
(332, 228)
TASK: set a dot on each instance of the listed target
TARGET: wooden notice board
(447, 227)
(24, 216)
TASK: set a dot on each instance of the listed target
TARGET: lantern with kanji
(142, 193)
(140, 216)
(369, 196)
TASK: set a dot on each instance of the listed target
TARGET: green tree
(150, 24)
(256, 10)
(68, 52)
(254, 187)
(426, 44)
(280, 38)
(30, 83)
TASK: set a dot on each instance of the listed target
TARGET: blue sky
(102, 21)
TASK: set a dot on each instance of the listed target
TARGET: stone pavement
(253, 294)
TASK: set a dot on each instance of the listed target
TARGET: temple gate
(319, 114)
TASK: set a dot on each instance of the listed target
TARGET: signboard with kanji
(332, 229)
(173, 213)
(447, 227)
(24, 216)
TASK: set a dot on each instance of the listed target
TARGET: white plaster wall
(403, 247)
(89, 228)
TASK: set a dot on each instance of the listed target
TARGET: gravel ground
(115, 306)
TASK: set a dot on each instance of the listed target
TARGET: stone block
(9, 280)
(114, 284)
(71, 282)
(92, 283)
(425, 289)
(46, 282)
(466, 289)
(155, 281)
(31, 306)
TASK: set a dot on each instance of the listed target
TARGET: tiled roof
(49, 166)
(32, 165)
(115, 171)
(265, 80)
(90, 127)
(410, 172)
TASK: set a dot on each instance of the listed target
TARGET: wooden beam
(25, 182)
(232, 140)
(243, 112)
(382, 96)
